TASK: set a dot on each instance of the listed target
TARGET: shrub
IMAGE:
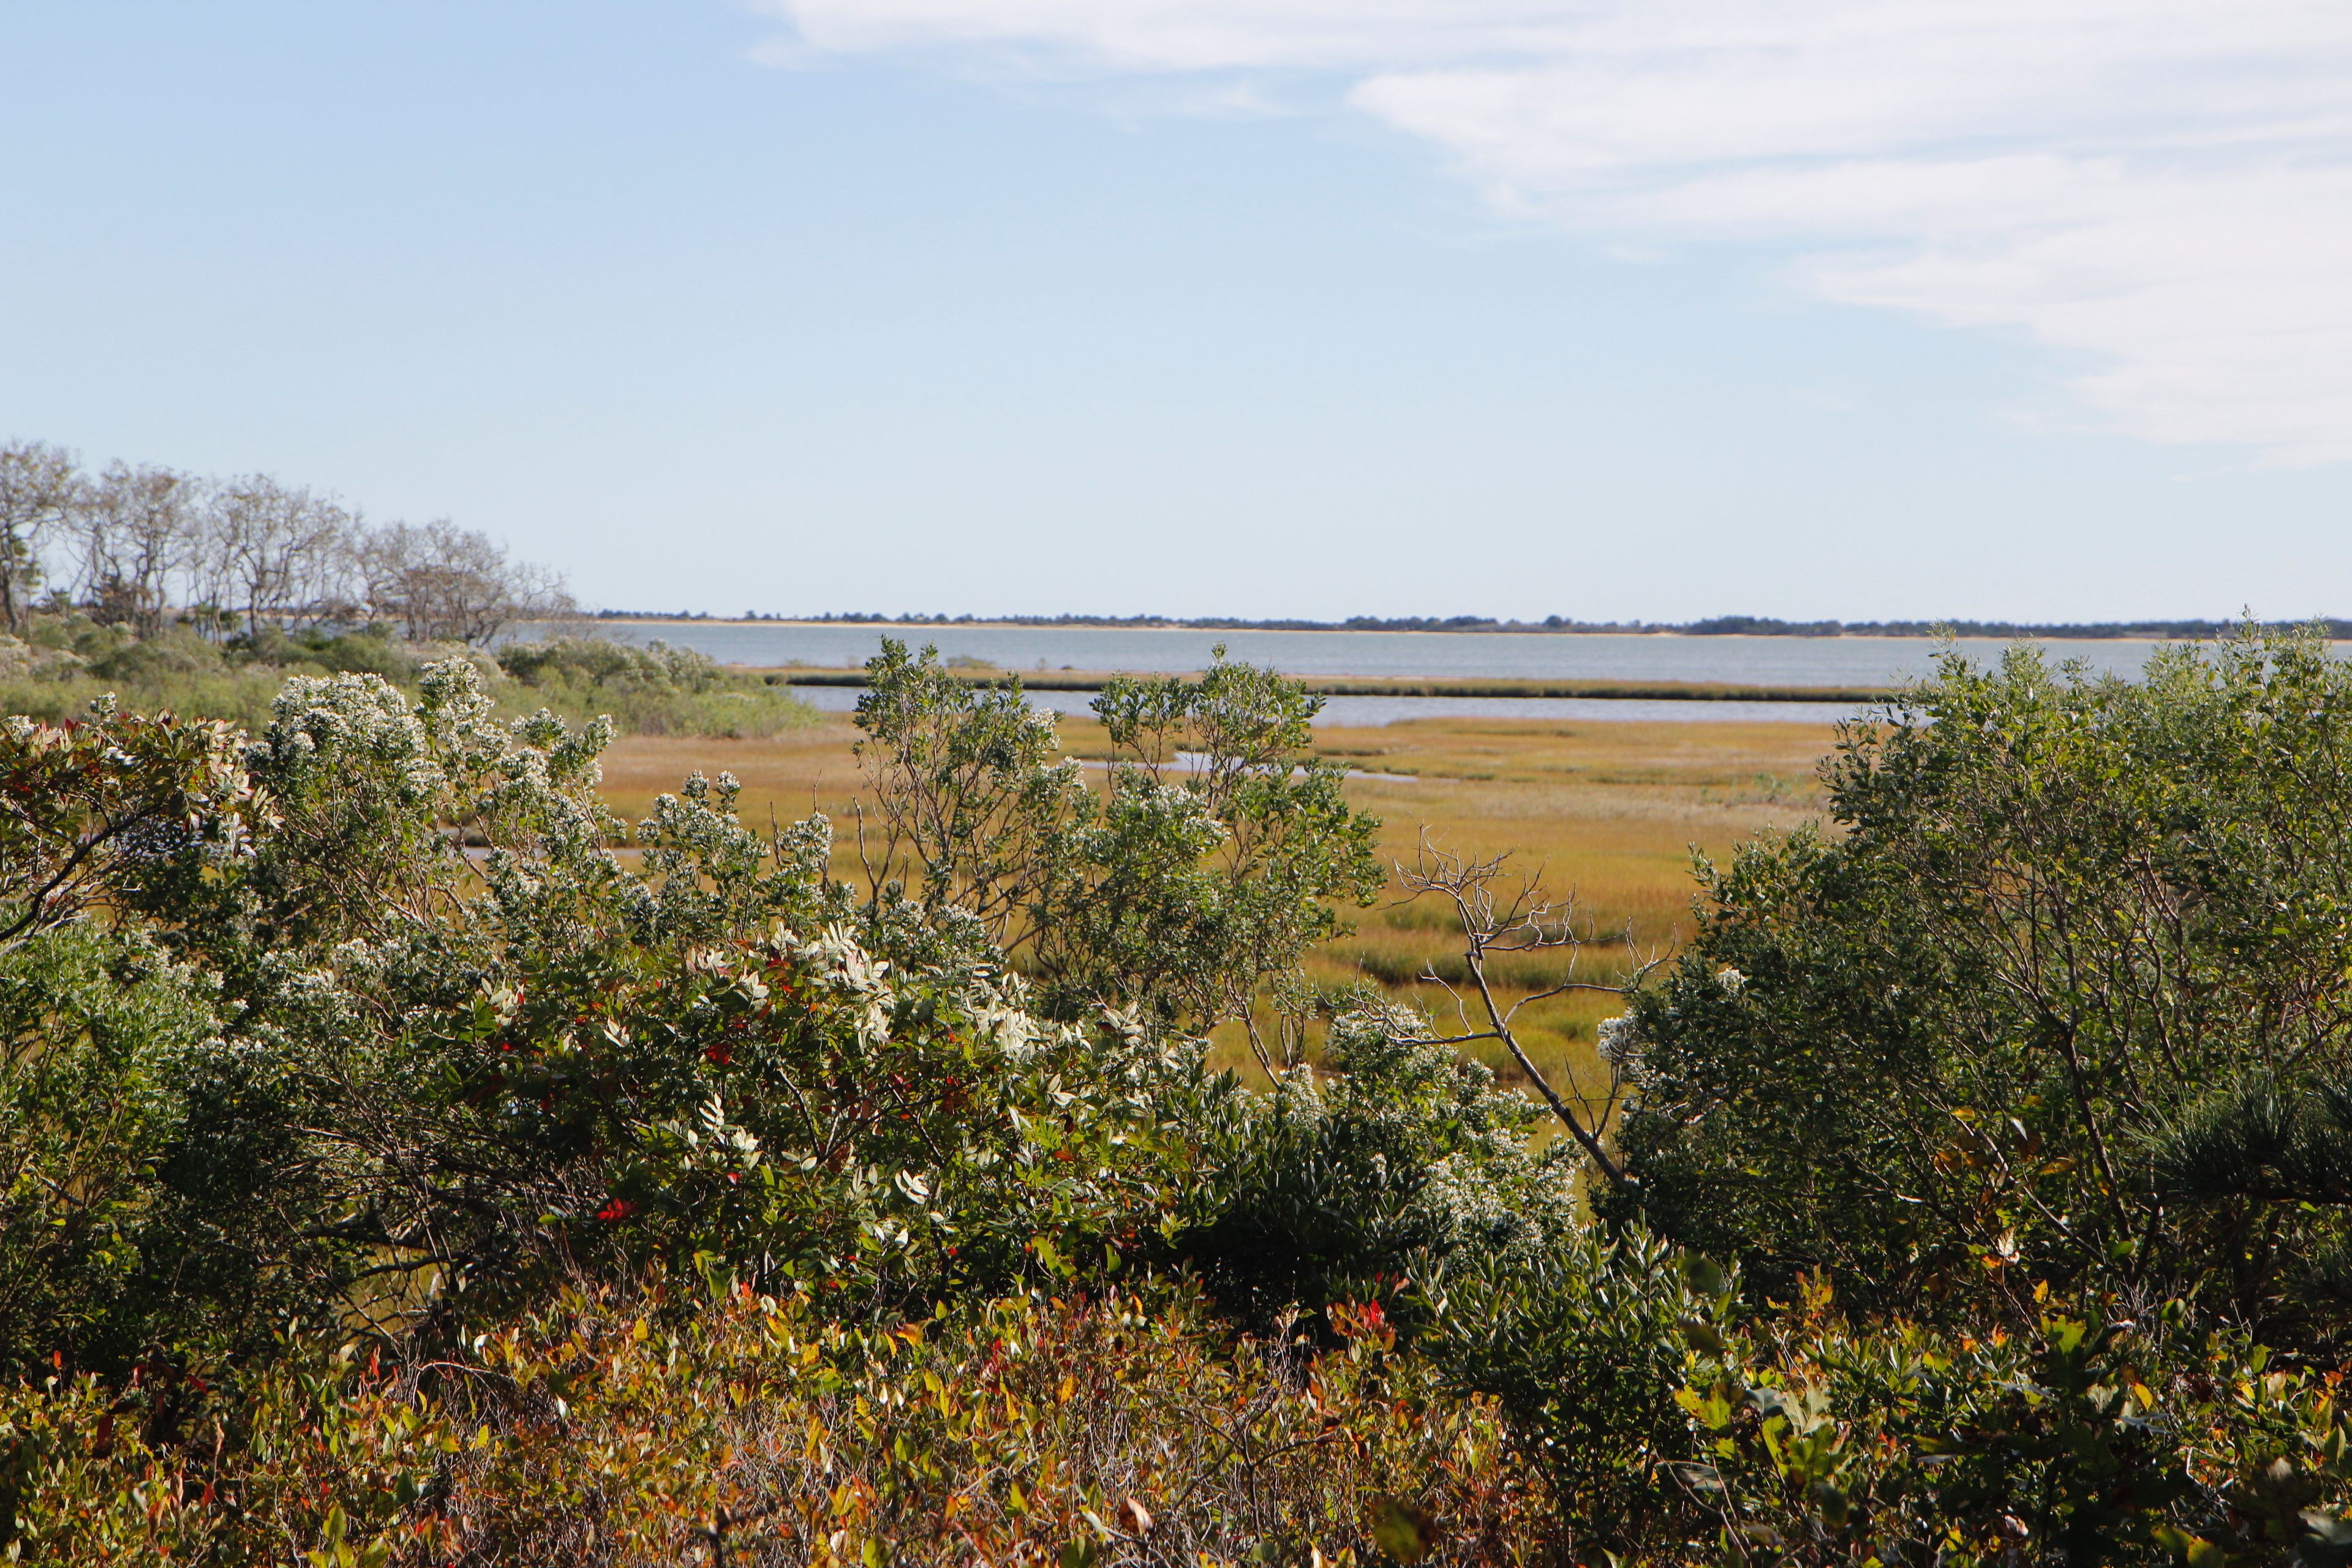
(1338, 1185)
(1213, 862)
(1583, 1345)
(110, 1242)
(609, 1430)
(1933, 1053)
(2079, 1438)
(499, 1069)
(652, 691)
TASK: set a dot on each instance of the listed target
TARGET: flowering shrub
(1399, 1157)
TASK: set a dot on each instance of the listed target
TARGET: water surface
(1740, 660)
(1351, 712)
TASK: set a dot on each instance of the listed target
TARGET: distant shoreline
(1720, 626)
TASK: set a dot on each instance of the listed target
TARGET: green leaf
(1402, 1530)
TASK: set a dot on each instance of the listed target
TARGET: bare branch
(1501, 914)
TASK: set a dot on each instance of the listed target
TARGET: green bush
(1935, 1052)
(1338, 1185)
(1583, 1345)
(1216, 856)
(652, 691)
(2077, 1438)
(107, 1053)
(69, 662)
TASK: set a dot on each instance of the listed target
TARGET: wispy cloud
(2161, 188)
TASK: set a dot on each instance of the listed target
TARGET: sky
(1606, 309)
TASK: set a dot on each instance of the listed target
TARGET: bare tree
(136, 528)
(280, 549)
(442, 582)
(1499, 916)
(252, 549)
(38, 487)
(322, 573)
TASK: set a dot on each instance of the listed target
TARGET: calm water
(1761, 661)
(1365, 711)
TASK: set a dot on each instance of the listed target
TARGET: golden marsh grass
(1607, 810)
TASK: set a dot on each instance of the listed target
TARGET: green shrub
(236, 696)
(177, 652)
(1583, 1345)
(2078, 1438)
(1934, 1052)
(1399, 1157)
(1179, 892)
(652, 691)
(102, 1043)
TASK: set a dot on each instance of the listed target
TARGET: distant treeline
(1715, 625)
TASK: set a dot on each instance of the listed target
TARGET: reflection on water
(1367, 711)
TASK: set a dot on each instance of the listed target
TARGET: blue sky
(1278, 308)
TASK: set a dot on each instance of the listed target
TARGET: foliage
(600, 1430)
(652, 691)
(2078, 1438)
(1209, 864)
(1398, 1158)
(503, 1055)
(393, 1169)
(146, 1199)
(88, 809)
(73, 660)
(1583, 1344)
(2267, 1158)
(615, 666)
(1934, 1052)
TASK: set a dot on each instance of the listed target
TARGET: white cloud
(2161, 188)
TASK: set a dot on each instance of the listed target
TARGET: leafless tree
(279, 548)
(38, 487)
(137, 541)
(442, 582)
(136, 528)
(1500, 915)
(322, 581)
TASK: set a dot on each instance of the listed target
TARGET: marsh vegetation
(1188, 1136)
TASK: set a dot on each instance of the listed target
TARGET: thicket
(68, 660)
(390, 1172)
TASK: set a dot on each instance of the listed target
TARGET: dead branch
(1500, 912)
